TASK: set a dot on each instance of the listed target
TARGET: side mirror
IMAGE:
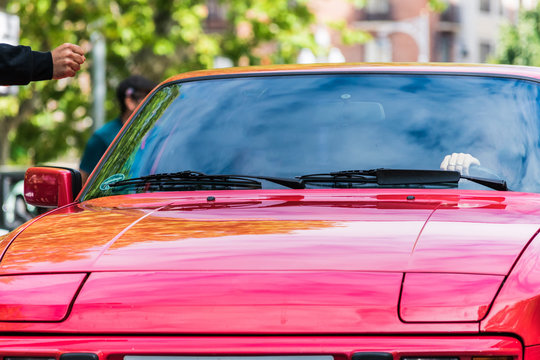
(51, 186)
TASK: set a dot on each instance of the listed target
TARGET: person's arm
(19, 64)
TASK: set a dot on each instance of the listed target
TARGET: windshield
(287, 126)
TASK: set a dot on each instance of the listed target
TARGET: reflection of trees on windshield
(124, 151)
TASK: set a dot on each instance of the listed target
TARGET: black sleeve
(19, 65)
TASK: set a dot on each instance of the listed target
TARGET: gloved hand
(459, 162)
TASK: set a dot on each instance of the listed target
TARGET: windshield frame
(281, 73)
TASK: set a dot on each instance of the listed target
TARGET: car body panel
(341, 347)
(245, 239)
(468, 297)
(517, 307)
(40, 297)
(532, 352)
(263, 302)
(246, 230)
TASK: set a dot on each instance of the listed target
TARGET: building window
(485, 51)
(445, 47)
(378, 7)
(485, 5)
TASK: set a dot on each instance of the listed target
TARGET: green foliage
(358, 3)
(256, 22)
(520, 44)
(155, 38)
(350, 35)
(437, 6)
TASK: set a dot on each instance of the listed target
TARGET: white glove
(459, 162)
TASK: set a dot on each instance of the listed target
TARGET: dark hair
(136, 87)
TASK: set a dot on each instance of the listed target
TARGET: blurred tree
(155, 38)
(520, 43)
(437, 6)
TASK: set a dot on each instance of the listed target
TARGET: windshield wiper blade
(190, 180)
(387, 177)
(384, 177)
(494, 184)
(195, 178)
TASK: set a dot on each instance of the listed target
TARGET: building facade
(408, 31)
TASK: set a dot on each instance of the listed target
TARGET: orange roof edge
(512, 70)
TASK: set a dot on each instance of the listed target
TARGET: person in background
(20, 64)
(129, 93)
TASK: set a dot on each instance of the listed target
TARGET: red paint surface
(342, 348)
(217, 302)
(258, 262)
(447, 297)
(37, 297)
(254, 302)
(471, 232)
(517, 307)
(532, 352)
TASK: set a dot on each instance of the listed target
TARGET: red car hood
(465, 232)
(297, 261)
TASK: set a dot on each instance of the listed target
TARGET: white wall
(479, 27)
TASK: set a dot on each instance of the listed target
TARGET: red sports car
(324, 212)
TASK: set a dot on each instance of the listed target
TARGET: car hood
(465, 232)
(275, 261)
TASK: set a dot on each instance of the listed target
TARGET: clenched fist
(67, 60)
(459, 162)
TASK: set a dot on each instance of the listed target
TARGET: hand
(67, 60)
(459, 162)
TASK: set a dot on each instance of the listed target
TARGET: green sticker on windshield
(111, 180)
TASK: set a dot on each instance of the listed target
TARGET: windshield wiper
(193, 180)
(197, 180)
(388, 177)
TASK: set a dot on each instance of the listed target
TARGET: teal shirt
(98, 144)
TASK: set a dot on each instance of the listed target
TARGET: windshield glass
(286, 126)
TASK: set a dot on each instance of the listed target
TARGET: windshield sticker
(110, 180)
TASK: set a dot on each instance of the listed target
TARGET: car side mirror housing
(51, 186)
